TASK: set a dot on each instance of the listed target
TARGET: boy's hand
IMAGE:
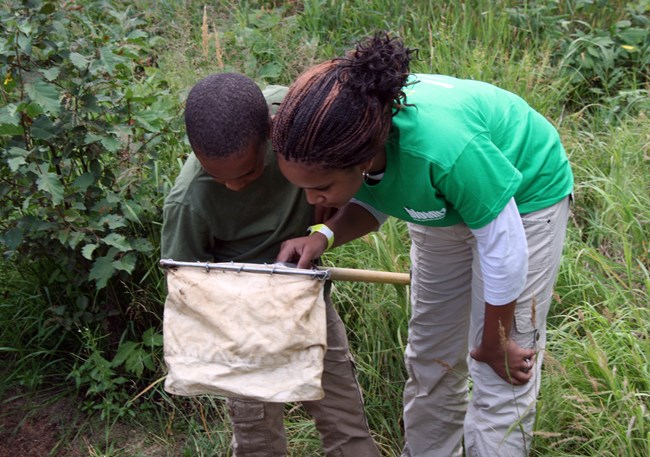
(303, 251)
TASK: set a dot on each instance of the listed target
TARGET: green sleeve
(185, 235)
(480, 183)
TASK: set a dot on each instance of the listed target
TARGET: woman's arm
(348, 223)
(503, 255)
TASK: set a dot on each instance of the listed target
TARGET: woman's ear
(366, 166)
(376, 164)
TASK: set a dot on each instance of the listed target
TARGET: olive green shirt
(205, 221)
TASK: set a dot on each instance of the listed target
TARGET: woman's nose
(314, 198)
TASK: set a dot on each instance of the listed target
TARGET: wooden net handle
(352, 274)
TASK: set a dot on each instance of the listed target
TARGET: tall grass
(376, 317)
(595, 392)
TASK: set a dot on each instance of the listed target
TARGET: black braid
(378, 67)
(338, 114)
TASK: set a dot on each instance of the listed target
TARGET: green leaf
(87, 251)
(50, 74)
(107, 141)
(157, 40)
(120, 380)
(102, 270)
(271, 70)
(113, 221)
(10, 130)
(63, 236)
(150, 120)
(123, 352)
(148, 362)
(48, 8)
(84, 181)
(105, 205)
(43, 128)
(72, 216)
(46, 95)
(633, 35)
(31, 109)
(10, 120)
(132, 356)
(110, 143)
(16, 158)
(50, 183)
(91, 137)
(136, 35)
(89, 101)
(142, 245)
(9, 114)
(15, 163)
(135, 363)
(117, 241)
(12, 238)
(78, 60)
(25, 44)
(126, 263)
(152, 338)
(75, 238)
(109, 59)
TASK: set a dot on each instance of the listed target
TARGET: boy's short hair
(224, 114)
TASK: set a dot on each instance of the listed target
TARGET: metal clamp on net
(279, 268)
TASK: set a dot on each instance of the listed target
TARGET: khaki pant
(447, 323)
(258, 427)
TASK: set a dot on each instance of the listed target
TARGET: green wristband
(325, 230)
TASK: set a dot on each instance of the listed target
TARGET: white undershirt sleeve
(381, 217)
(503, 255)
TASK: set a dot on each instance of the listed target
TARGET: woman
(484, 183)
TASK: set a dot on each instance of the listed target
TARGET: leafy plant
(84, 110)
(103, 380)
(602, 47)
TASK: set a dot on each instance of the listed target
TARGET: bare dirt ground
(47, 426)
(35, 427)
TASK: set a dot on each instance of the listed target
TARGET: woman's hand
(347, 224)
(512, 363)
(303, 251)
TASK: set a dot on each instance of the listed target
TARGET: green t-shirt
(461, 149)
(205, 221)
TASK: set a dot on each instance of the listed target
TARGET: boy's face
(237, 170)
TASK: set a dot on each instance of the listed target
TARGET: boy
(231, 203)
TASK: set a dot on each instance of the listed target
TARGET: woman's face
(324, 187)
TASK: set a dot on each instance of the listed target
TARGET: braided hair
(224, 114)
(338, 114)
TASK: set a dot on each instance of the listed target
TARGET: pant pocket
(525, 325)
(242, 411)
(258, 428)
(538, 236)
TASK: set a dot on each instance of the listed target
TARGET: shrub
(84, 112)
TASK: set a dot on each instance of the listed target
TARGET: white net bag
(241, 334)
